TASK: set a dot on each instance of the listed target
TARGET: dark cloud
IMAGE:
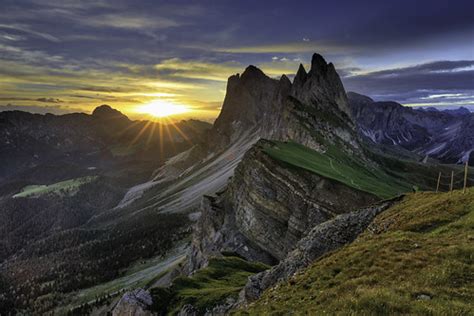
(436, 82)
(44, 100)
(106, 98)
(440, 75)
(103, 89)
(49, 100)
(432, 67)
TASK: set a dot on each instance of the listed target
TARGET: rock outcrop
(135, 303)
(277, 109)
(323, 238)
(266, 209)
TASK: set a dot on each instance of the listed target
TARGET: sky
(64, 56)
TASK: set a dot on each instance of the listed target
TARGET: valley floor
(145, 274)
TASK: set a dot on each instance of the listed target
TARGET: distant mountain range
(97, 140)
(445, 135)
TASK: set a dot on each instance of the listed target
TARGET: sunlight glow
(162, 108)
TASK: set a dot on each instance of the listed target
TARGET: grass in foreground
(68, 187)
(208, 287)
(417, 258)
(338, 166)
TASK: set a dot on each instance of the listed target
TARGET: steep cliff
(267, 207)
(279, 191)
(322, 239)
(314, 104)
(135, 303)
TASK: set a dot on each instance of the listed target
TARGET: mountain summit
(321, 84)
(278, 109)
(106, 112)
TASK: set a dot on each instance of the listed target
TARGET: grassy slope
(422, 246)
(335, 165)
(208, 287)
(69, 187)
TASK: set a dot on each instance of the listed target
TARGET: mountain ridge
(442, 135)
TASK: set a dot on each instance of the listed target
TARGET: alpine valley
(300, 199)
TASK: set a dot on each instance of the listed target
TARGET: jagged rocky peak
(275, 108)
(285, 81)
(318, 64)
(253, 73)
(444, 135)
(283, 89)
(107, 112)
(320, 85)
(300, 77)
(249, 96)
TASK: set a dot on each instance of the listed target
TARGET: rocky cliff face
(278, 109)
(323, 238)
(267, 208)
(135, 303)
(444, 135)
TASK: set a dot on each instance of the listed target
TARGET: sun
(161, 108)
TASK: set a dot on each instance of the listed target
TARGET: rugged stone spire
(284, 81)
(300, 77)
(255, 101)
(321, 85)
(249, 97)
(253, 73)
(318, 64)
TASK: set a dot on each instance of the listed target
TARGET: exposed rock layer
(323, 238)
(135, 303)
(266, 209)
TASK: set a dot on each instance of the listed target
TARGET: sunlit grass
(208, 287)
(416, 259)
(336, 165)
(68, 187)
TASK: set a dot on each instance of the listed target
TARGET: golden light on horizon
(162, 108)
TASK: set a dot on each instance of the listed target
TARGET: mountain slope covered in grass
(338, 166)
(223, 278)
(415, 258)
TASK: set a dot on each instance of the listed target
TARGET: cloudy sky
(68, 55)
